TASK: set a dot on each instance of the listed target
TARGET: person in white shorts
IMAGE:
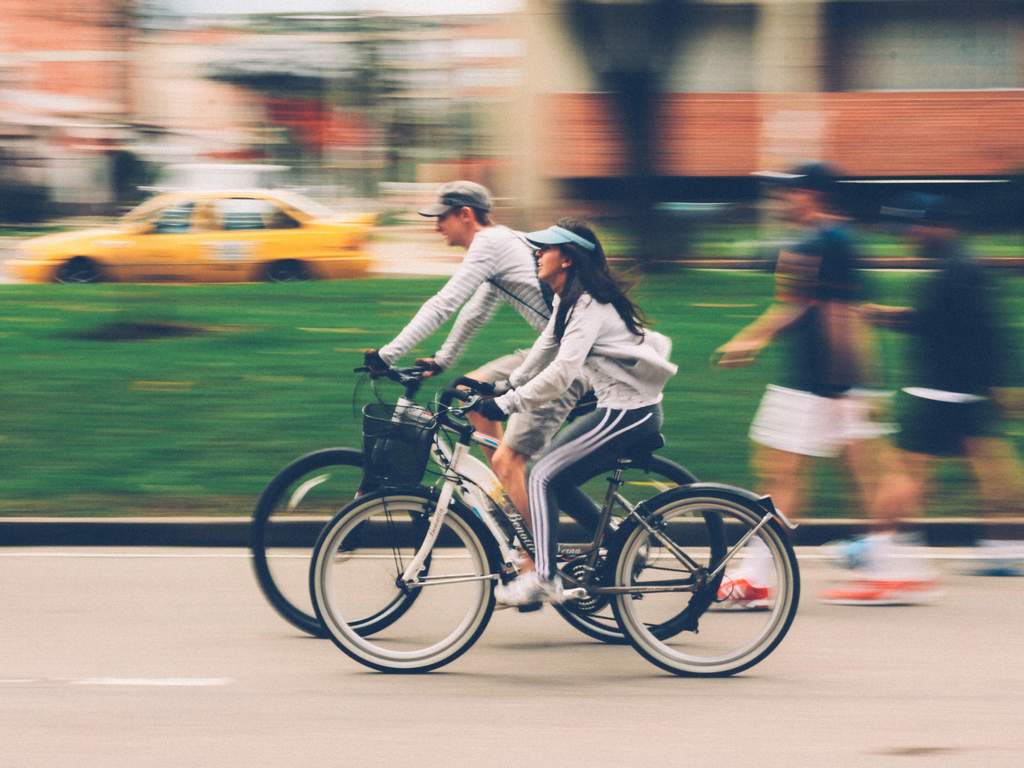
(498, 267)
(817, 409)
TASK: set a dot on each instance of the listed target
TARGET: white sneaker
(529, 589)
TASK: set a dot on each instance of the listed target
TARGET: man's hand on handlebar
(372, 360)
(429, 366)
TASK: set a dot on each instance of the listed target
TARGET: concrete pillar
(791, 42)
(553, 64)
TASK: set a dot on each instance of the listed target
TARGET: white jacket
(625, 370)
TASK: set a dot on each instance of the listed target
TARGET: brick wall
(866, 134)
(38, 35)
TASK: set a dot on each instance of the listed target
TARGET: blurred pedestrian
(958, 357)
(816, 410)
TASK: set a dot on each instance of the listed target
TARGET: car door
(256, 231)
(169, 250)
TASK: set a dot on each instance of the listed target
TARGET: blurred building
(65, 88)
(906, 89)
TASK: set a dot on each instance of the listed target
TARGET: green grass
(200, 423)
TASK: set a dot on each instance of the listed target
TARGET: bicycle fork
(410, 576)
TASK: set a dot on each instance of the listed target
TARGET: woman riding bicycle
(596, 332)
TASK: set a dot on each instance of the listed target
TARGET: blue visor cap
(556, 235)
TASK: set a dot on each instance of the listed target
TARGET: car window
(239, 213)
(175, 219)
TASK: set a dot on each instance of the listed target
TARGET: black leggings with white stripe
(597, 439)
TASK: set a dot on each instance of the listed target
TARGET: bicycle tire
(742, 510)
(270, 501)
(331, 556)
(604, 626)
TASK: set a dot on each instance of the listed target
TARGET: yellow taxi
(222, 236)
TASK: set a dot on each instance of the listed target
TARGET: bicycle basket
(396, 443)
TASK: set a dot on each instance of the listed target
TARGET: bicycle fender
(717, 489)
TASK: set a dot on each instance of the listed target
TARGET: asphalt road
(170, 657)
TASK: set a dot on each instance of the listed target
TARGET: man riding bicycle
(498, 266)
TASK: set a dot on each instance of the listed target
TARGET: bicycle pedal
(577, 593)
(530, 607)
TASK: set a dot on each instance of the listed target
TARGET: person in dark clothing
(816, 408)
(957, 362)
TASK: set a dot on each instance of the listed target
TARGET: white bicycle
(402, 577)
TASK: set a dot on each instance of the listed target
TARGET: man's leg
(496, 370)
(997, 468)
(780, 475)
(487, 427)
(510, 467)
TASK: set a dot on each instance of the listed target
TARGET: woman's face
(552, 265)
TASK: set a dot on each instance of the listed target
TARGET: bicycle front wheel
(357, 571)
(289, 516)
(701, 546)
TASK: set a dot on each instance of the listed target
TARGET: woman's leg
(595, 439)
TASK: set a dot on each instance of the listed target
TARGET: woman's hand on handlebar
(491, 411)
(485, 388)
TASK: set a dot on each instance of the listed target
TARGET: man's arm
(742, 348)
(474, 314)
(439, 307)
(795, 278)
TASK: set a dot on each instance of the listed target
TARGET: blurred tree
(630, 46)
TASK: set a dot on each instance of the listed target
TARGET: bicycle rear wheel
(595, 616)
(291, 512)
(356, 572)
(689, 632)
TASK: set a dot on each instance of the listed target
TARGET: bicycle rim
(710, 632)
(291, 512)
(355, 574)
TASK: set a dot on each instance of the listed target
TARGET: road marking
(18, 680)
(171, 682)
(802, 554)
(136, 555)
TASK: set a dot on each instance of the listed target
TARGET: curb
(234, 531)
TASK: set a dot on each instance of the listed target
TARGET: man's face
(799, 205)
(458, 226)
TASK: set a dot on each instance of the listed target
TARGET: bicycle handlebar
(410, 378)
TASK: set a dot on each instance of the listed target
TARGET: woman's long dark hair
(589, 274)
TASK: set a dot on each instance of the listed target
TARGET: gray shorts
(530, 432)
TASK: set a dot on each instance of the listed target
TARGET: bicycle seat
(643, 449)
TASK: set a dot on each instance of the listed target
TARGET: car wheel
(79, 270)
(286, 271)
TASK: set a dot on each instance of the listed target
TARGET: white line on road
(173, 682)
(135, 555)
(933, 553)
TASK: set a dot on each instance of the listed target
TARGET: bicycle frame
(483, 492)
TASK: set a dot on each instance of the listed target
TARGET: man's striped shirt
(498, 267)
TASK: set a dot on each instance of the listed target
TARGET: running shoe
(999, 558)
(849, 553)
(882, 592)
(740, 594)
(529, 590)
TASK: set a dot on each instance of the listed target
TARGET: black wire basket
(396, 443)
